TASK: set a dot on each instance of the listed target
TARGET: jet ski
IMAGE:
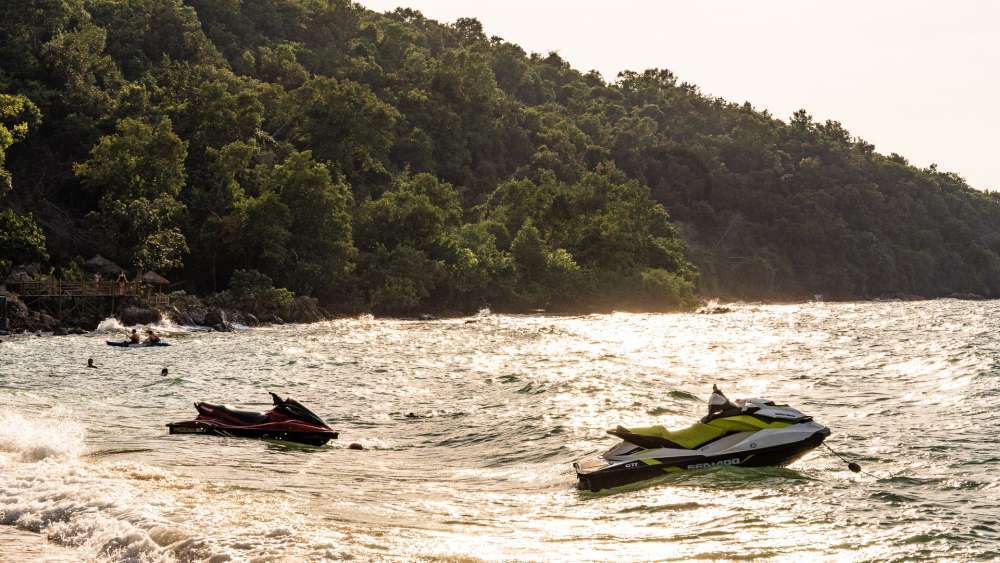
(748, 433)
(288, 420)
(128, 344)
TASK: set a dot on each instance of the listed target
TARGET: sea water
(470, 427)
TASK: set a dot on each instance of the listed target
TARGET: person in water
(90, 363)
(151, 336)
(134, 337)
(164, 372)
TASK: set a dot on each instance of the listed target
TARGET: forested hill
(393, 163)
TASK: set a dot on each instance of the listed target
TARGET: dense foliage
(393, 163)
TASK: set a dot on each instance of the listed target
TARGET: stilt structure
(90, 298)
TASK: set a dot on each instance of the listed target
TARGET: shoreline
(221, 312)
(707, 306)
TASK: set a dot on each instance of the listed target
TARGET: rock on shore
(139, 316)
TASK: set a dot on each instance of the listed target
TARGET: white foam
(30, 440)
(110, 325)
(46, 488)
(127, 511)
(166, 325)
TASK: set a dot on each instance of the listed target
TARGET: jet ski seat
(694, 436)
(724, 417)
(251, 417)
(689, 438)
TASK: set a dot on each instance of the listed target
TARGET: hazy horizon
(913, 78)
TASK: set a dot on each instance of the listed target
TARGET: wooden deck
(58, 288)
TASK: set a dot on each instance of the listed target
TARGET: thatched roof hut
(101, 264)
(154, 278)
(18, 276)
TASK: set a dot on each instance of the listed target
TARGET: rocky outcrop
(81, 322)
(237, 316)
(218, 319)
(713, 310)
(20, 319)
(130, 316)
(189, 310)
(38, 321)
(180, 317)
(17, 312)
(303, 310)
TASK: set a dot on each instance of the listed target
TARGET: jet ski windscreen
(718, 402)
(294, 408)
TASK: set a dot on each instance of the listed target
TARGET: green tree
(482, 174)
(400, 280)
(418, 211)
(255, 292)
(21, 241)
(345, 124)
(141, 160)
(265, 232)
(320, 247)
(161, 250)
(137, 173)
(17, 116)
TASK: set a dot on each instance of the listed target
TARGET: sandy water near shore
(20, 545)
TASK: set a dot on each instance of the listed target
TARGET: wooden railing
(59, 288)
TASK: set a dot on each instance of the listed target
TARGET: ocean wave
(46, 488)
(30, 439)
(500, 410)
(166, 325)
(121, 511)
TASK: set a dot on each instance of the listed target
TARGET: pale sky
(919, 78)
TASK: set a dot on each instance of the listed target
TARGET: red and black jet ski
(288, 420)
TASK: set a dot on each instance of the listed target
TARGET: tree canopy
(394, 163)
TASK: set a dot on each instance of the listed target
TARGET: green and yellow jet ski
(749, 433)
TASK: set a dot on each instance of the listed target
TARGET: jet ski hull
(289, 420)
(312, 437)
(127, 344)
(599, 472)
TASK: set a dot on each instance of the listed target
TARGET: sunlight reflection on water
(504, 405)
